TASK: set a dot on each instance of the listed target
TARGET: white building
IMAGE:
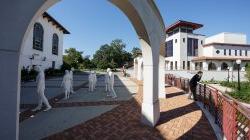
(188, 51)
(182, 45)
(44, 44)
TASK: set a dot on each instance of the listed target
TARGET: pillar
(135, 68)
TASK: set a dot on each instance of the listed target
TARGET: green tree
(112, 55)
(136, 52)
(73, 57)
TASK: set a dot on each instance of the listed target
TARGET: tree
(136, 52)
(112, 55)
(73, 57)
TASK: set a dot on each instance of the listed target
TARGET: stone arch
(224, 66)
(143, 15)
(212, 66)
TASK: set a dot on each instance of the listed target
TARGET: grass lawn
(241, 95)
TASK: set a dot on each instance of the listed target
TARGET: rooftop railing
(229, 114)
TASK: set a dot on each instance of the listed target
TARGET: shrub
(248, 73)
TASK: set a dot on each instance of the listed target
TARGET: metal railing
(230, 115)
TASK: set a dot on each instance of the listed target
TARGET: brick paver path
(180, 119)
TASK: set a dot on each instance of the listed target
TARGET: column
(10, 94)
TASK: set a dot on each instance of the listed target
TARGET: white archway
(17, 18)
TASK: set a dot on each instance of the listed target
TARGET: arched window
(55, 41)
(38, 37)
(224, 66)
(212, 66)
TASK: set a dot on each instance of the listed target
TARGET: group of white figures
(67, 84)
(109, 82)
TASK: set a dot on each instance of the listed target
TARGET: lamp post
(228, 74)
(238, 62)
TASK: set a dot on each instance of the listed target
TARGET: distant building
(44, 44)
(186, 50)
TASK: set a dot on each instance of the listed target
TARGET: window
(176, 65)
(229, 52)
(225, 52)
(240, 52)
(169, 48)
(38, 37)
(192, 47)
(175, 40)
(235, 52)
(53, 64)
(55, 41)
(218, 51)
(171, 65)
(183, 40)
(245, 52)
(183, 65)
(188, 65)
(201, 42)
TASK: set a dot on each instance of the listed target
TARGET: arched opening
(212, 66)
(224, 66)
(148, 25)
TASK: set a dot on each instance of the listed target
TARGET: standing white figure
(40, 79)
(95, 79)
(71, 79)
(66, 83)
(107, 81)
(91, 81)
(111, 84)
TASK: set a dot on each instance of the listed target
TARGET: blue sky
(98, 22)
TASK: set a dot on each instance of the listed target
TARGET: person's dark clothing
(193, 83)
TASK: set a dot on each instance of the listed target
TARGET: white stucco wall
(233, 38)
(28, 50)
(180, 49)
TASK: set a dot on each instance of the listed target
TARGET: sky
(93, 23)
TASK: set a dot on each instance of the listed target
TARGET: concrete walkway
(180, 119)
(81, 107)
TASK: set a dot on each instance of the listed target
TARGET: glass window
(192, 47)
(188, 65)
(169, 48)
(175, 40)
(171, 65)
(176, 65)
(240, 52)
(225, 52)
(38, 37)
(229, 52)
(55, 41)
(235, 52)
(201, 42)
(183, 65)
(245, 52)
(183, 40)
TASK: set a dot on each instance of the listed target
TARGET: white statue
(91, 81)
(94, 79)
(40, 79)
(107, 81)
(71, 79)
(111, 84)
(66, 83)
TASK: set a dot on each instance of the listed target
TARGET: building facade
(44, 44)
(186, 50)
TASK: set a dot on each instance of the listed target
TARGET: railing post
(204, 95)
(216, 107)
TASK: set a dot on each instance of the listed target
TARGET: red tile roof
(184, 23)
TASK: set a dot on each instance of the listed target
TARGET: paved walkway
(103, 118)
(180, 119)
